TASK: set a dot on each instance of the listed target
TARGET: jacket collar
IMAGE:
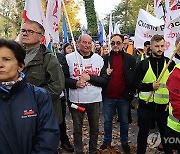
(157, 59)
(17, 87)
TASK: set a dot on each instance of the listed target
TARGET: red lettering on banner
(167, 45)
(147, 35)
(173, 35)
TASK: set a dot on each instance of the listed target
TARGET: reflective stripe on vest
(173, 118)
(173, 122)
(156, 95)
(161, 96)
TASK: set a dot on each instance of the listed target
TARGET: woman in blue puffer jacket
(28, 124)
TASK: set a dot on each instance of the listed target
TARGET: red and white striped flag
(53, 15)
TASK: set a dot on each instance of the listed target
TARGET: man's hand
(80, 83)
(156, 85)
(109, 71)
(85, 77)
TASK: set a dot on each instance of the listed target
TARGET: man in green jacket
(41, 66)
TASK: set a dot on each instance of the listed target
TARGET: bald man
(85, 80)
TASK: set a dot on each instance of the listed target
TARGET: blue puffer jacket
(28, 124)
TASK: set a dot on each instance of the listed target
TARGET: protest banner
(147, 26)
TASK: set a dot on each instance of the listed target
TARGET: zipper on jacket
(157, 69)
(157, 73)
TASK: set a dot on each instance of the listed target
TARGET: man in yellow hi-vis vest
(172, 136)
(146, 75)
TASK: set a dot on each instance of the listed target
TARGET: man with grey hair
(41, 66)
(85, 80)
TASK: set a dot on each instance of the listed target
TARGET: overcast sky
(102, 8)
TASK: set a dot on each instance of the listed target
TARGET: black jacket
(129, 64)
(28, 124)
(157, 65)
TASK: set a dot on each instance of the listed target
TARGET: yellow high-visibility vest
(161, 95)
(173, 122)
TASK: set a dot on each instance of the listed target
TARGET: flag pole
(109, 39)
(147, 6)
(74, 44)
(65, 11)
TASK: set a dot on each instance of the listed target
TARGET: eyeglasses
(117, 43)
(29, 31)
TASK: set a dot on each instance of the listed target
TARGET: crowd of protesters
(36, 86)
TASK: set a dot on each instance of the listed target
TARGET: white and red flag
(53, 15)
(158, 9)
(175, 9)
(171, 30)
(169, 40)
(33, 11)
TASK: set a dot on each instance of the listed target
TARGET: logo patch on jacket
(29, 113)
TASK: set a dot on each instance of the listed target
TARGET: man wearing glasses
(41, 66)
(119, 93)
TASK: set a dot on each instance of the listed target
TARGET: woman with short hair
(28, 124)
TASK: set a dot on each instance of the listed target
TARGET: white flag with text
(53, 14)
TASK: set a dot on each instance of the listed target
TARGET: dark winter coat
(28, 124)
(129, 64)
